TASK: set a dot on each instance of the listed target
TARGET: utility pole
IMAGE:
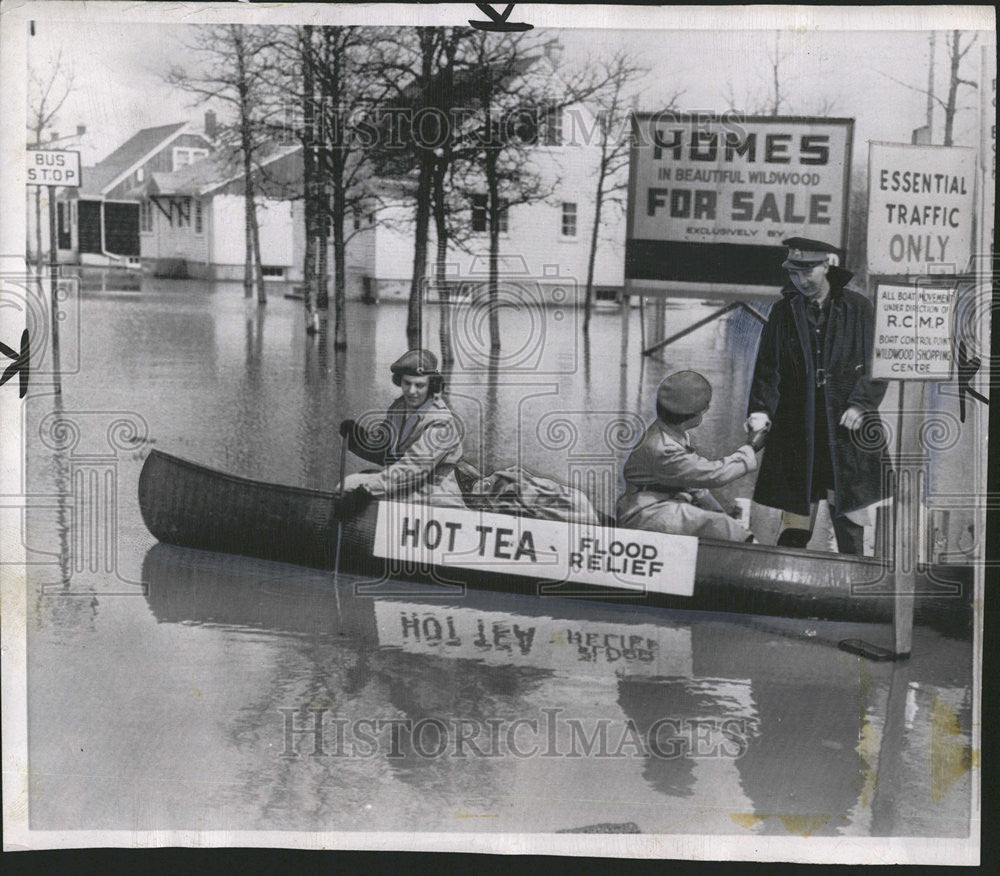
(930, 92)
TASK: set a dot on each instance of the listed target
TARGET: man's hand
(346, 428)
(852, 417)
(757, 422)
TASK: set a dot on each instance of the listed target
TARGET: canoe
(191, 505)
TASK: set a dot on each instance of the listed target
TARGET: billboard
(920, 209)
(711, 197)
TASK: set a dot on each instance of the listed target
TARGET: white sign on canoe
(546, 549)
(913, 328)
(920, 208)
(53, 167)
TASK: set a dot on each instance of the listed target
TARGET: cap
(416, 363)
(805, 253)
(684, 393)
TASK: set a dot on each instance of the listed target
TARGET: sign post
(921, 213)
(913, 342)
(54, 168)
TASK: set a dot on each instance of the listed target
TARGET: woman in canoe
(418, 443)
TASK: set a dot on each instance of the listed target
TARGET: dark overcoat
(784, 387)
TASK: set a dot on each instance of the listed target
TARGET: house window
(183, 157)
(272, 271)
(568, 219)
(198, 221)
(140, 174)
(554, 126)
(357, 221)
(480, 218)
(146, 216)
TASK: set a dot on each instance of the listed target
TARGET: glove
(351, 502)
(346, 428)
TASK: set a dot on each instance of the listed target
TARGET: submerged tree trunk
(494, 259)
(588, 302)
(258, 264)
(322, 266)
(309, 289)
(309, 275)
(441, 277)
(414, 316)
(339, 287)
(247, 233)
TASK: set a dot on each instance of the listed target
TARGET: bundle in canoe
(187, 504)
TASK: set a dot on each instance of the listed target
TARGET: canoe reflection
(758, 726)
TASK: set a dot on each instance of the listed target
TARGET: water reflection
(765, 717)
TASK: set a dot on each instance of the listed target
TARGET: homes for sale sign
(712, 197)
(920, 209)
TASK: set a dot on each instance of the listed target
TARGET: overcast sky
(119, 69)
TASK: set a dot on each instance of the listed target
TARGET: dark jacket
(784, 387)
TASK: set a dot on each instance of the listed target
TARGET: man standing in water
(813, 392)
(418, 443)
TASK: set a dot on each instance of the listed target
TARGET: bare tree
(453, 152)
(775, 61)
(406, 60)
(515, 77)
(233, 70)
(347, 89)
(956, 53)
(306, 57)
(46, 97)
(436, 74)
(613, 105)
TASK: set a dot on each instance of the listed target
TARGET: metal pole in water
(909, 481)
(625, 316)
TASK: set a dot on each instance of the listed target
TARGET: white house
(98, 223)
(191, 222)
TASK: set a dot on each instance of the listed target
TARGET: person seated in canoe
(667, 481)
(419, 442)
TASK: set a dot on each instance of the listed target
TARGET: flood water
(176, 689)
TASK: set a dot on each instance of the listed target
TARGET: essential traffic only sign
(53, 167)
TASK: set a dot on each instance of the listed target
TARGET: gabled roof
(208, 174)
(104, 175)
(192, 179)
